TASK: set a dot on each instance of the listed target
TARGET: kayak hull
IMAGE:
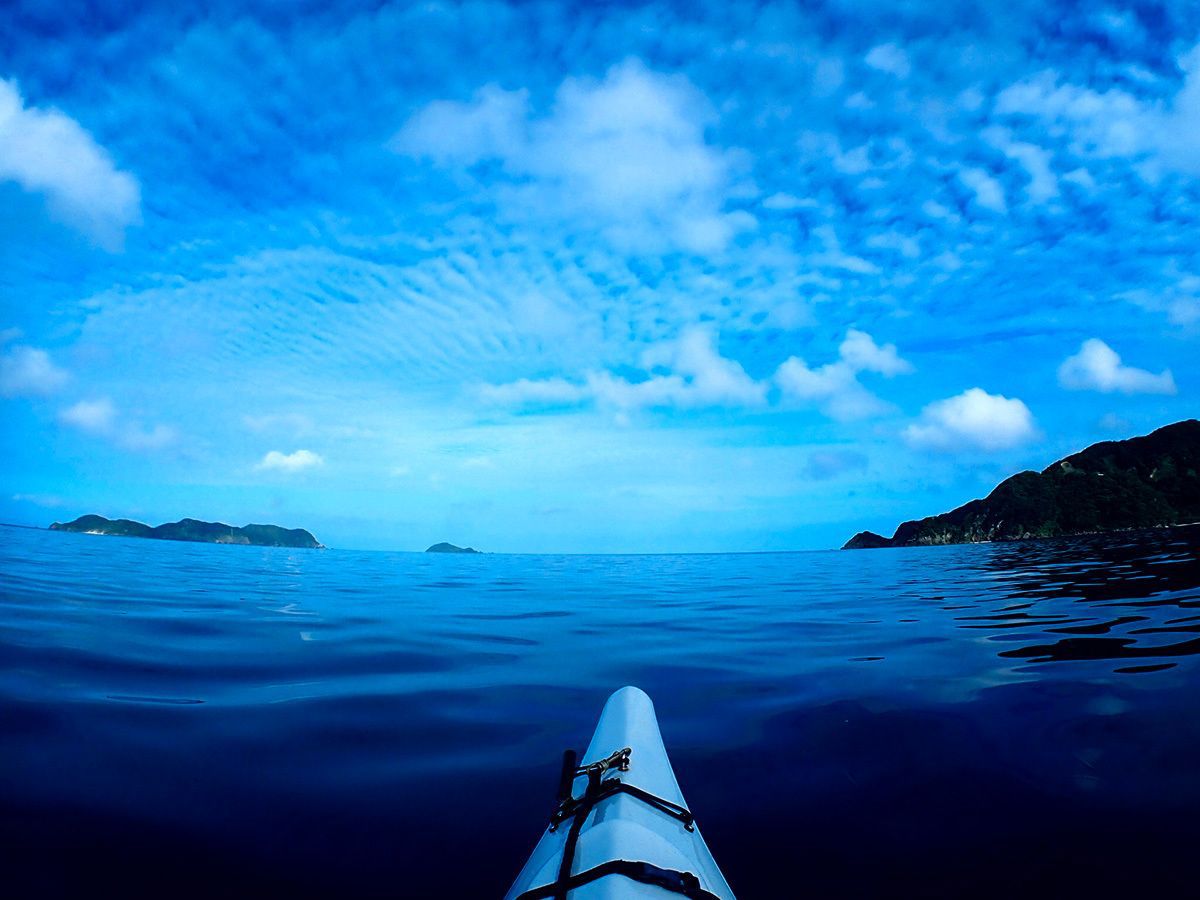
(622, 826)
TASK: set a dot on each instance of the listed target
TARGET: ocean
(193, 720)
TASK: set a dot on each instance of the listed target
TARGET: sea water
(997, 720)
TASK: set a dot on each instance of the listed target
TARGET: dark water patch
(1136, 670)
(1098, 627)
(1077, 649)
(163, 701)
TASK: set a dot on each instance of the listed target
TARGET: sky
(549, 277)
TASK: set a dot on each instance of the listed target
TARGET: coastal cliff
(1142, 482)
(194, 530)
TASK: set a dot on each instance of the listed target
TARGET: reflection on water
(979, 721)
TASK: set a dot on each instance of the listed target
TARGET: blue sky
(615, 277)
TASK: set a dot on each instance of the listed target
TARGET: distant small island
(194, 530)
(1142, 482)
(443, 547)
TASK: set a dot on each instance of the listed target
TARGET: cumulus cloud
(862, 354)
(1179, 297)
(989, 194)
(687, 372)
(974, 419)
(889, 58)
(92, 416)
(549, 391)
(835, 387)
(834, 257)
(1035, 160)
(101, 418)
(690, 372)
(710, 379)
(275, 461)
(1115, 122)
(29, 372)
(629, 152)
(1097, 367)
(47, 152)
(492, 124)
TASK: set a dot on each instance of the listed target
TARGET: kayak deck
(625, 828)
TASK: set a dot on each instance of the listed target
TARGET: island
(1143, 482)
(194, 530)
(443, 547)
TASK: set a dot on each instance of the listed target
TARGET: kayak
(621, 830)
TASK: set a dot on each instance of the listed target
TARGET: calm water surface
(985, 721)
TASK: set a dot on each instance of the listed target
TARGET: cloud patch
(834, 387)
(974, 420)
(1097, 367)
(47, 152)
(100, 418)
(275, 461)
(29, 372)
(628, 152)
(691, 373)
(91, 416)
(688, 372)
(1115, 122)
(889, 58)
(989, 193)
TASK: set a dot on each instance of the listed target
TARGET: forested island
(1142, 482)
(194, 530)
(443, 547)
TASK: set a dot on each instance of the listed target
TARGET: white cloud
(988, 192)
(889, 58)
(101, 418)
(973, 419)
(48, 153)
(28, 371)
(289, 462)
(907, 246)
(492, 124)
(628, 152)
(686, 372)
(525, 390)
(784, 202)
(92, 416)
(1097, 367)
(1115, 122)
(1179, 299)
(834, 257)
(835, 387)
(709, 378)
(1035, 160)
(862, 354)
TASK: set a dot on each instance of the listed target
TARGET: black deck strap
(683, 883)
(577, 810)
(611, 786)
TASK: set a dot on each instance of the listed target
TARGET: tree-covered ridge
(444, 547)
(194, 530)
(1141, 482)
